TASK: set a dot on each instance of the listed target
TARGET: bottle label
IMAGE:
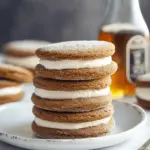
(136, 57)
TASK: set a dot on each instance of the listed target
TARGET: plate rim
(113, 136)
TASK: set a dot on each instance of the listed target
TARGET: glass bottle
(125, 26)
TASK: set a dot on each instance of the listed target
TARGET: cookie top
(6, 83)
(23, 47)
(14, 73)
(76, 50)
(143, 80)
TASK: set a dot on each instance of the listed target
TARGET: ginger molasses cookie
(10, 91)
(143, 90)
(71, 96)
(78, 130)
(73, 125)
(22, 53)
(76, 60)
(14, 73)
(71, 105)
(65, 85)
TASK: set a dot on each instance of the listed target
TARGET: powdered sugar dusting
(77, 46)
(30, 45)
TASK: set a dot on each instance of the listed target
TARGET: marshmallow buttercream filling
(76, 64)
(70, 126)
(71, 94)
(10, 90)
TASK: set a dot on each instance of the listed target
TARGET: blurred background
(54, 20)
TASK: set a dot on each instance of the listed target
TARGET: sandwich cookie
(143, 90)
(71, 96)
(10, 91)
(22, 53)
(73, 125)
(14, 73)
(76, 60)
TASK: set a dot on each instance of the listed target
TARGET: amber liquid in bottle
(120, 86)
(126, 28)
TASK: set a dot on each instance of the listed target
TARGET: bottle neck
(124, 10)
(125, 4)
(124, 15)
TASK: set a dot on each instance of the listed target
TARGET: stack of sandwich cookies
(11, 78)
(71, 96)
(72, 90)
(73, 125)
(143, 90)
(22, 53)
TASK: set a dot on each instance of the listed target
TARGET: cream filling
(143, 93)
(145, 77)
(10, 90)
(70, 126)
(76, 64)
(28, 62)
(71, 94)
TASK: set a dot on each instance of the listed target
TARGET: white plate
(15, 128)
